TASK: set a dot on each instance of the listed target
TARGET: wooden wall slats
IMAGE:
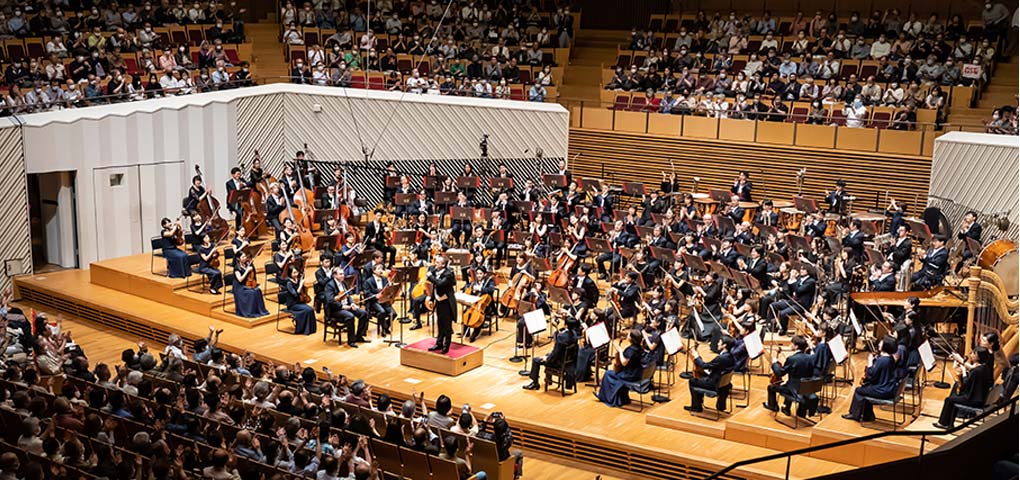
(619, 157)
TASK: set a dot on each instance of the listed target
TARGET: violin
(214, 256)
(303, 296)
(250, 281)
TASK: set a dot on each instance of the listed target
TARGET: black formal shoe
(445, 350)
(824, 409)
(692, 409)
(435, 348)
(416, 326)
(770, 408)
(786, 411)
(849, 416)
(531, 386)
(352, 345)
(940, 426)
(363, 340)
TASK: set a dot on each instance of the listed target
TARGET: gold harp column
(973, 284)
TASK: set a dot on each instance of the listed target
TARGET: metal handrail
(1012, 403)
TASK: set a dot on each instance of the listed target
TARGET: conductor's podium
(461, 358)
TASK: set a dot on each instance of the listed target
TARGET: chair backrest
(810, 386)
(416, 464)
(156, 243)
(648, 372)
(443, 468)
(388, 456)
(725, 380)
(272, 268)
(994, 395)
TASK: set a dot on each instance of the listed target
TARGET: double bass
(305, 240)
(210, 212)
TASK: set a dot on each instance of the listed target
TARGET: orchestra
(718, 268)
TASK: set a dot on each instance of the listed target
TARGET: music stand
(501, 183)
(322, 216)
(405, 237)
(645, 231)
(554, 181)
(327, 242)
(598, 245)
(535, 323)
(466, 214)
(676, 237)
(724, 224)
(664, 255)
(919, 230)
(446, 198)
(239, 196)
(555, 239)
(742, 249)
(459, 259)
(404, 199)
(695, 262)
(636, 189)
(388, 295)
(431, 182)
(406, 276)
(870, 227)
(721, 196)
(522, 306)
(392, 181)
(659, 218)
(540, 265)
(588, 183)
(519, 237)
(712, 244)
(469, 182)
(874, 256)
(798, 243)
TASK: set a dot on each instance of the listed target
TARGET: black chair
(725, 385)
(808, 387)
(330, 326)
(228, 280)
(745, 387)
(281, 311)
(563, 373)
(965, 412)
(644, 385)
(271, 270)
(916, 378)
(194, 259)
(896, 401)
(156, 250)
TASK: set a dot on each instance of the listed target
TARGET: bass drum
(1001, 257)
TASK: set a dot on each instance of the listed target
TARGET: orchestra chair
(155, 250)
(563, 372)
(191, 239)
(194, 259)
(745, 388)
(416, 464)
(228, 281)
(896, 402)
(916, 378)
(964, 412)
(282, 311)
(725, 383)
(829, 387)
(388, 456)
(269, 275)
(644, 385)
(330, 326)
(808, 387)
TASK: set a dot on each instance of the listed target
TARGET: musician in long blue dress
(613, 391)
(176, 259)
(348, 252)
(248, 301)
(290, 295)
(207, 253)
(880, 381)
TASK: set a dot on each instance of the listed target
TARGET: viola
(250, 281)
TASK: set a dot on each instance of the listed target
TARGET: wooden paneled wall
(619, 157)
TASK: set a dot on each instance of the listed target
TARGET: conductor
(443, 283)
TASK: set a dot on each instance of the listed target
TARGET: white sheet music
(857, 325)
(697, 319)
(535, 321)
(927, 355)
(671, 341)
(838, 349)
(597, 335)
(752, 342)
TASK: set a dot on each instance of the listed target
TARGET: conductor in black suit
(375, 237)
(715, 369)
(565, 342)
(443, 283)
(933, 266)
(798, 366)
(235, 183)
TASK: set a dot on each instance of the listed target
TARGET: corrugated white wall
(979, 172)
(15, 236)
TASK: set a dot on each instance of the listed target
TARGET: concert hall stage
(663, 441)
(461, 358)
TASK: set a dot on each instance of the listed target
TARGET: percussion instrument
(704, 203)
(1001, 257)
(831, 224)
(750, 211)
(781, 204)
(867, 217)
(791, 218)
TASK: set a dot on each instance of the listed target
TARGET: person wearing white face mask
(856, 113)
(320, 76)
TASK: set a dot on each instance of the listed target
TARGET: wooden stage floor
(663, 441)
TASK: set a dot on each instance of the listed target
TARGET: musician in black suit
(798, 366)
(854, 240)
(883, 278)
(799, 296)
(276, 203)
(714, 370)
(652, 204)
(728, 255)
(836, 199)
(973, 390)
(815, 228)
(562, 170)
(618, 237)
(235, 183)
(371, 288)
(343, 311)
(934, 265)
(755, 265)
(443, 283)
(420, 205)
(583, 283)
(323, 275)
(604, 201)
(742, 186)
(901, 250)
(460, 229)
(969, 228)
(481, 285)
(734, 210)
(530, 193)
(767, 215)
(375, 237)
(629, 294)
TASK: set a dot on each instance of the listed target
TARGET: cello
(560, 277)
(210, 211)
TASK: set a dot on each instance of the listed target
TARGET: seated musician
(969, 228)
(767, 216)
(481, 246)
(976, 381)
(206, 253)
(239, 243)
(196, 194)
(371, 288)
(685, 212)
(290, 295)
(821, 355)
(734, 210)
(707, 227)
(629, 294)
(420, 206)
(817, 226)
(879, 381)
(711, 294)
(728, 255)
(573, 197)
(499, 232)
(276, 203)
(369, 268)
(798, 366)
(323, 275)
(576, 231)
(340, 308)
(558, 210)
(566, 338)
(177, 265)
(934, 265)
(234, 184)
(652, 204)
(901, 251)
(798, 295)
(640, 264)
(377, 237)
(348, 253)
(248, 301)
(469, 171)
(481, 285)
(628, 368)
(883, 278)
(289, 231)
(603, 201)
(618, 237)
(843, 265)
(460, 229)
(198, 228)
(583, 283)
(854, 239)
(1000, 364)
(755, 265)
(283, 258)
(714, 370)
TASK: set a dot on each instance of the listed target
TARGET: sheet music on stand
(534, 321)
(856, 324)
(838, 349)
(927, 355)
(697, 319)
(752, 342)
(597, 335)
(671, 341)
